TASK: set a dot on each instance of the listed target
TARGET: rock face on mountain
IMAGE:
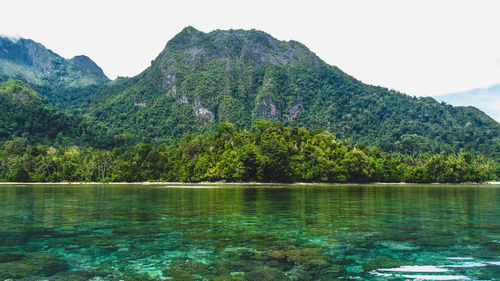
(201, 79)
(90, 67)
(46, 71)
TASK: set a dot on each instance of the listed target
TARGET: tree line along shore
(267, 152)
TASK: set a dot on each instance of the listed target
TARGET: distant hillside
(202, 79)
(25, 116)
(487, 100)
(59, 79)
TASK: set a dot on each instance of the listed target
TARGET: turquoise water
(337, 232)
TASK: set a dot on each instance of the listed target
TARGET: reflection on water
(106, 232)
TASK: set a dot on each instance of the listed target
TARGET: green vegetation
(203, 79)
(170, 122)
(25, 116)
(64, 82)
(268, 152)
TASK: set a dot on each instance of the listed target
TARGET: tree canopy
(267, 152)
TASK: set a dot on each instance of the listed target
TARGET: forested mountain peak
(88, 64)
(251, 47)
(202, 79)
(30, 53)
(47, 72)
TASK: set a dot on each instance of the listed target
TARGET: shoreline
(237, 183)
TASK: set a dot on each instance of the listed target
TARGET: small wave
(459, 258)
(467, 264)
(397, 272)
(437, 277)
(415, 268)
(380, 274)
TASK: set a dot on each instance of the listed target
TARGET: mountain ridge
(202, 79)
(485, 99)
(45, 71)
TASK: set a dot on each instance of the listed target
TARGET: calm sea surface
(324, 232)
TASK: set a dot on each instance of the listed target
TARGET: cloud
(13, 39)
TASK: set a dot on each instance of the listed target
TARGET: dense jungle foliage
(168, 122)
(26, 116)
(203, 79)
(268, 152)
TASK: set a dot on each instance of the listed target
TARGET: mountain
(26, 116)
(486, 99)
(59, 79)
(202, 79)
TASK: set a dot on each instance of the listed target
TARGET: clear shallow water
(130, 232)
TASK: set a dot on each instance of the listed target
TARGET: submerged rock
(399, 246)
(187, 270)
(75, 275)
(316, 263)
(266, 274)
(228, 277)
(94, 240)
(179, 275)
(138, 277)
(298, 255)
(6, 257)
(32, 264)
(236, 265)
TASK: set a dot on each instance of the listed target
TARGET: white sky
(418, 47)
